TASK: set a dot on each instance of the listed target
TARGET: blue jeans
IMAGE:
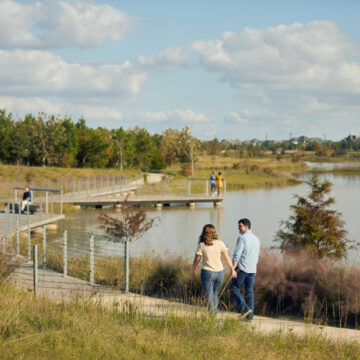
(211, 281)
(248, 280)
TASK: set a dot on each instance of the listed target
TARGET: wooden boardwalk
(36, 220)
(165, 200)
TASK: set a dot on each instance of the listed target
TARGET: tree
(315, 227)
(189, 147)
(169, 145)
(132, 224)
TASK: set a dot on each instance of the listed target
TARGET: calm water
(180, 227)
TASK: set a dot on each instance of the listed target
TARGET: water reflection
(180, 227)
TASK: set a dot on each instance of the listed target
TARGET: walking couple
(242, 266)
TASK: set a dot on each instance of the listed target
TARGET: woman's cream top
(211, 255)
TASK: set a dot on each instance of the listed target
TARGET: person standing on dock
(245, 259)
(219, 183)
(212, 184)
(26, 198)
(211, 250)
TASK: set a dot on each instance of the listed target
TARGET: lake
(179, 227)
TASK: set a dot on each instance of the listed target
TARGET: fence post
(44, 247)
(91, 256)
(28, 231)
(41, 207)
(87, 187)
(207, 187)
(35, 276)
(18, 235)
(46, 202)
(6, 222)
(15, 194)
(126, 265)
(52, 204)
(188, 188)
(11, 212)
(61, 202)
(65, 252)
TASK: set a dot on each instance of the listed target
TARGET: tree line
(50, 140)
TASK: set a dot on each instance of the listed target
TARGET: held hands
(233, 274)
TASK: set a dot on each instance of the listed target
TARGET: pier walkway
(35, 220)
(156, 200)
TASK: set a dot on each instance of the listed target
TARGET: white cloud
(167, 59)
(315, 57)
(53, 24)
(41, 73)
(235, 118)
(182, 117)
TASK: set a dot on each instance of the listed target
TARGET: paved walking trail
(57, 287)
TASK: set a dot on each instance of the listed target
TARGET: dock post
(206, 188)
(44, 247)
(65, 252)
(91, 256)
(126, 265)
(35, 273)
(28, 231)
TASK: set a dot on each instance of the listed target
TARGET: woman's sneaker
(245, 315)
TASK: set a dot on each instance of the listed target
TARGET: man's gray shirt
(247, 252)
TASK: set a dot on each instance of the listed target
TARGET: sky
(229, 69)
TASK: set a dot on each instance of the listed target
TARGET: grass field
(35, 328)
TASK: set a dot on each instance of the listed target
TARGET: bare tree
(131, 225)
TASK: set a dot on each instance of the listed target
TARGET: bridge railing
(181, 187)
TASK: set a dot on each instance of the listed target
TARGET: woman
(219, 183)
(212, 272)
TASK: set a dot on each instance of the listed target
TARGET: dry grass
(316, 290)
(36, 328)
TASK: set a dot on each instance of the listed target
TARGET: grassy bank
(36, 176)
(347, 171)
(36, 328)
(249, 173)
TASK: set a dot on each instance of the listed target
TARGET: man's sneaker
(245, 315)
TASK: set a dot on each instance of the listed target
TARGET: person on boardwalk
(219, 183)
(212, 184)
(211, 250)
(26, 198)
(245, 259)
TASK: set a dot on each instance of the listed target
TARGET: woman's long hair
(208, 235)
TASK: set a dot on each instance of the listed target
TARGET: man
(212, 183)
(26, 198)
(245, 259)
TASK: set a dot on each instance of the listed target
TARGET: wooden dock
(35, 220)
(156, 200)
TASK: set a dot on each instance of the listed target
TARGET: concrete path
(57, 287)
